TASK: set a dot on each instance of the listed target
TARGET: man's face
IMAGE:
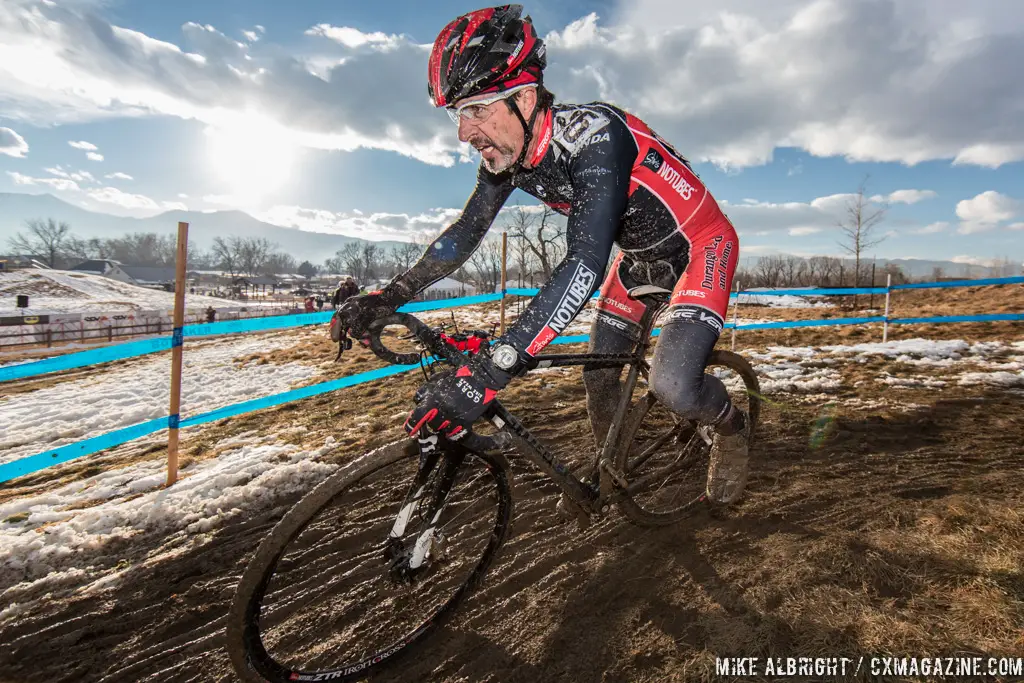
(494, 131)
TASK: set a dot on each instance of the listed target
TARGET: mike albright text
(936, 667)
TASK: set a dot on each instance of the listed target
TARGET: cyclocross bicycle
(371, 561)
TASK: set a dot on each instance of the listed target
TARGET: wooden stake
(504, 261)
(176, 350)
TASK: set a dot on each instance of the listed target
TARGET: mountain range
(16, 208)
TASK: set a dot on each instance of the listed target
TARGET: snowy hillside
(62, 291)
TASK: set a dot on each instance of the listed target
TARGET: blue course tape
(125, 350)
(812, 292)
(40, 461)
(810, 323)
(80, 359)
(964, 283)
(984, 318)
(448, 303)
(256, 324)
(33, 463)
(138, 348)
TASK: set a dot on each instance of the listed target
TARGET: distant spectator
(346, 288)
(319, 302)
(211, 314)
(309, 304)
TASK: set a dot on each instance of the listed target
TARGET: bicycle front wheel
(665, 457)
(331, 593)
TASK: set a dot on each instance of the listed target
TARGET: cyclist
(618, 182)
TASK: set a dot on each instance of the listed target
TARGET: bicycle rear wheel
(665, 457)
(331, 593)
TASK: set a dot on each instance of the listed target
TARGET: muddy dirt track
(864, 529)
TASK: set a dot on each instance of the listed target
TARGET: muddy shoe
(727, 472)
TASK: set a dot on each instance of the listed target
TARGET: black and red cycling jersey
(618, 182)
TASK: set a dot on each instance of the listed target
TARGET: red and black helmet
(487, 51)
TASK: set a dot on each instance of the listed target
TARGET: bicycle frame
(589, 503)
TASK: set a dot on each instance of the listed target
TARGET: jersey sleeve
(600, 166)
(453, 247)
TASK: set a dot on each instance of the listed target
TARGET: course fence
(49, 458)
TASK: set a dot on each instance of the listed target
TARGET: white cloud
(64, 184)
(251, 36)
(378, 226)
(94, 156)
(114, 71)
(803, 230)
(985, 211)
(112, 199)
(732, 81)
(125, 200)
(118, 176)
(12, 144)
(989, 156)
(933, 228)
(351, 37)
(974, 260)
(82, 144)
(1015, 226)
(727, 83)
(78, 176)
(905, 196)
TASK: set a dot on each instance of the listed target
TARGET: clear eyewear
(479, 111)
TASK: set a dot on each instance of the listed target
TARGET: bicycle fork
(410, 561)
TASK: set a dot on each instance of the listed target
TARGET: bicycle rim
(665, 458)
(276, 643)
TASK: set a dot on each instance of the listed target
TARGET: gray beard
(503, 164)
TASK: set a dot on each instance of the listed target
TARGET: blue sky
(313, 114)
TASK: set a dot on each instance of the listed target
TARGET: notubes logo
(574, 297)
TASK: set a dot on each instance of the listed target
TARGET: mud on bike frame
(589, 502)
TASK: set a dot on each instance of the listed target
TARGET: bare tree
(307, 270)
(198, 258)
(351, 258)
(486, 261)
(76, 249)
(898, 276)
(769, 271)
(402, 257)
(143, 249)
(334, 265)
(226, 255)
(45, 239)
(254, 252)
(543, 235)
(794, 269)
(371, 260)
(278, 263)
(858, 227)
(822, 271)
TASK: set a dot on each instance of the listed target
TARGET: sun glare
(251, 160)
